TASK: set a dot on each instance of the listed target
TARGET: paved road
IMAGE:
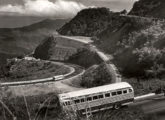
(43, 87)
(72, 70)
(81, 39)
(153, 107)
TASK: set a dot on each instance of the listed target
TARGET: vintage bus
(98, 98)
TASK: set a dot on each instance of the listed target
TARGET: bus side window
(124, 91)
(119, 92)
(101, 96)
(130, 90)
(82, 100)
(67, 103)
(77, 101)
(107, 95)
(95, 97)
(113, 93)
(89, 99)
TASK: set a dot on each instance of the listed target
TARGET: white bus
(98, 98)
(58, 77)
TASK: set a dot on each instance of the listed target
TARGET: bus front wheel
(117, 106)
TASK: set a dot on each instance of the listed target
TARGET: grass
(47, 107)
(24, 70)
(142, 86)
(34, 108)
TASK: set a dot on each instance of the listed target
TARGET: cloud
(59, 8)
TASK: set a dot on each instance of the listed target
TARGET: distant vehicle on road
(58, 77)
(98, 98)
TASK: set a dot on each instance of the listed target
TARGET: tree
(149, 58)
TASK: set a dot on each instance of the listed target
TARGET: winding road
(154, 105)
(116, 77)
(47, 85)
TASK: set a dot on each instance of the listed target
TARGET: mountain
(22, 41)
(45, 24)
(88, 22)
(11, 21)
(137, 43)
(149, 8)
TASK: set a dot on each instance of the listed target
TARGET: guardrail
(148, 96)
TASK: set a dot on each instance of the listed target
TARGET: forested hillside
(88, 22)
(137, 43)
(149, 8)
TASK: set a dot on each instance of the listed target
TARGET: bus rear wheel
(116, 106)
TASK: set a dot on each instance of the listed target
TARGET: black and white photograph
(82, 59)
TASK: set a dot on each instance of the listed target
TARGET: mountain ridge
(25, 39)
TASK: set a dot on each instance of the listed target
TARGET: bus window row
(101, 96)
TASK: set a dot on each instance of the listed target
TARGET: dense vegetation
(144, 48)
(23, 70)
(96, 75)
(138, 40)
(142, 87)
(44, 50)
(85, 57)
(136, 43)
(149, 8)
(47, 107)
(38, 107)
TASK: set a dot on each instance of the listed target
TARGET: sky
(58, 8)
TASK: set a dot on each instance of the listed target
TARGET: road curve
(61, 86)
(147, 106)
(43, 87)
(116, 77)
(72, 70)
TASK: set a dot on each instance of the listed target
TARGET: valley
(100, 47)
(18, 42)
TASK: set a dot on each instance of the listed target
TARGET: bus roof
(94, 90)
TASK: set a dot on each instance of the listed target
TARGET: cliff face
(149, 8)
